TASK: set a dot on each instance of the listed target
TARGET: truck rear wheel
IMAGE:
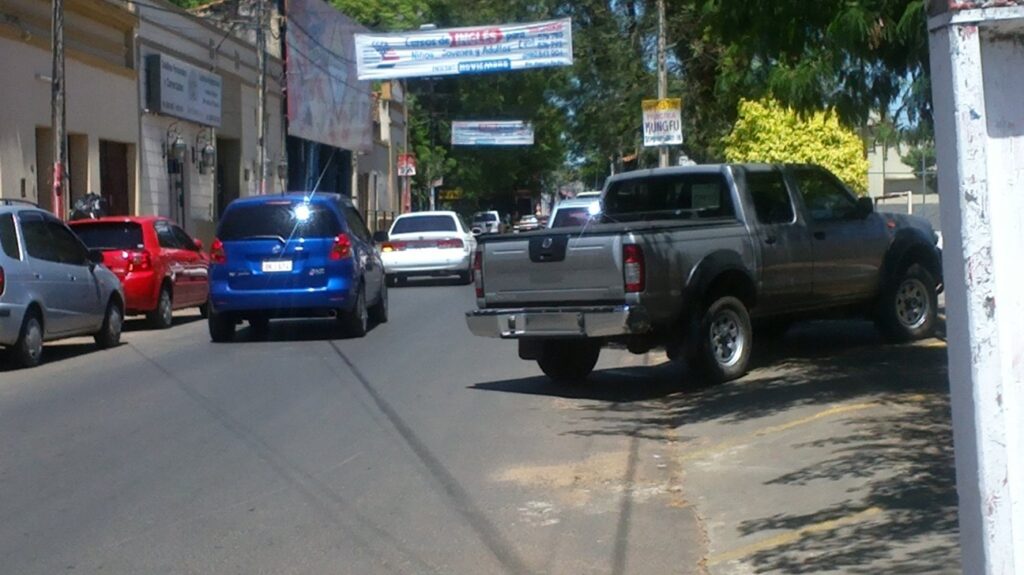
(721, 343)
(568, 361)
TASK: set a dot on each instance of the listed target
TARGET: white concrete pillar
(977, 66)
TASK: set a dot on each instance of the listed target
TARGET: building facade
(197, 120)
(101, 75)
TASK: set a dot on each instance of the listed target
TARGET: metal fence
(380, 220)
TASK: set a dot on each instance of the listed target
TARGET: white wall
(99, 103)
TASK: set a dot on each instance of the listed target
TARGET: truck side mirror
(865, 206)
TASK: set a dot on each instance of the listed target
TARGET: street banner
(457, 51)
(406, 165)
(496, 133)
(326, 103)
(663, 122)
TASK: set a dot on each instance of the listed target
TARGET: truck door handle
(770, 240)
(819, 235)
(72, 277)
(38, 275)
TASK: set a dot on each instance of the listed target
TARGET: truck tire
(909, 306)
(568, 361)
(722, 340)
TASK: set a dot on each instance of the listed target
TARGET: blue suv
(294, 256)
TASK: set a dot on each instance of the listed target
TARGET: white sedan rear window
(414, 224)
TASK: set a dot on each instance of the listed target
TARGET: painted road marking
(741, 439)
(788, 537)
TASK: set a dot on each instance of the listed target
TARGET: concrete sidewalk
(834, 456)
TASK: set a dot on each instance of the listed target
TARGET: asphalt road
(418, 449)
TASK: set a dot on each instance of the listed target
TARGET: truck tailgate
(540, 269)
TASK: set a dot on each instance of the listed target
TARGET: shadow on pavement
(295, 330)
(900, 456)
(416, 282)
(140, 323)
(52, 353)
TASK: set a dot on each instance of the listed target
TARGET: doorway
(114, 184)
(226, 185)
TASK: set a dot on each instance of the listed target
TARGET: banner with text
(663, 122)
(456, 51)
(497, 133)
(325, 102)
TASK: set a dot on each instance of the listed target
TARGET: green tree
(768, 132)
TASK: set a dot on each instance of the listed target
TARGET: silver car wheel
(726, 337)
(34, 340)
(912, 303)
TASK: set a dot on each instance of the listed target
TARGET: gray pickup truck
(691, 258)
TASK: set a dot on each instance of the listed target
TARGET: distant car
(488, 222)
(527, 223)
(296, 255)
(51, 286)
(428, 244)
(161, 267)
(575, 212)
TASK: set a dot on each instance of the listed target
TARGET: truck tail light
(478, 268)
(217, 255)
(633, 271)
(138, 261)
(342, 247)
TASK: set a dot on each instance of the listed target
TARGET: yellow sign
(450, 195)
(662, 105)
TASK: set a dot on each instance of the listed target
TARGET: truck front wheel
(909, 306)
(721, 343)
(570, 360)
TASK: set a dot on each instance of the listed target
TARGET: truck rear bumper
(567, 322)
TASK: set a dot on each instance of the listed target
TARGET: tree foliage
(771, 133)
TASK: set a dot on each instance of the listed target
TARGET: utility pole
(662, 76)
(261, 102)
(57, 109)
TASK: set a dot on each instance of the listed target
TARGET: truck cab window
(771, 199)
(826, 200)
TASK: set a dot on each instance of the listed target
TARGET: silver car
(51, 286)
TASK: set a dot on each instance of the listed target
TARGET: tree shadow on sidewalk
(899, 458)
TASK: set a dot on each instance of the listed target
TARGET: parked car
(488, 222)
(51, 286)
(296, 255)
(427, 244)
(161, 267)
(688, 258)
(591, 194)
(574, 212)
(527, 224)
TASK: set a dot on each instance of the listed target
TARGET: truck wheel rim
(727, 338)
(912, 303)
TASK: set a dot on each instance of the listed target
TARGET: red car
(161, 267)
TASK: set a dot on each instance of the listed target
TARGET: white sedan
(428, 244)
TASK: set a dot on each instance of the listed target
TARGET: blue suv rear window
(280, 220)
(9, 237)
